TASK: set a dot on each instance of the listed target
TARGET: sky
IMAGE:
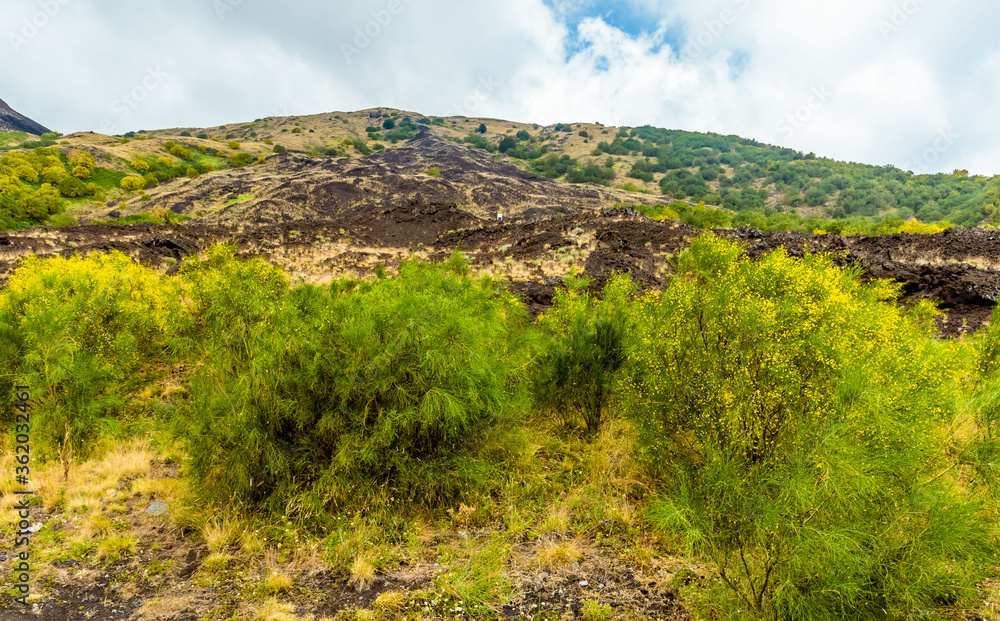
(911, 83)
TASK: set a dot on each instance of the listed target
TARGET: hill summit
(13, 121)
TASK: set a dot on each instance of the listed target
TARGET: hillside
(761, 185)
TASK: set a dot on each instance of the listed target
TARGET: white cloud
(898, 71)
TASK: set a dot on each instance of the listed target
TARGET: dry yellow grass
(215, 562)
(219, 534)
(277, 582)
(159, 489)
(165, 607)
(462, 515)
(556, 520)
(554, 555)
(362, 573)
(273, 610)
(116, 546)
(390, 600)
(251, 542)
(308, 558)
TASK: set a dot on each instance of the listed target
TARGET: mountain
(13, 121)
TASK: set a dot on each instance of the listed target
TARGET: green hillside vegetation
(781, 423)
(39, 183)
(747, 176)
(762, 185)
(704, 217)
(33, 184)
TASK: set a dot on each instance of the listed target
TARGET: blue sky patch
(623, 15)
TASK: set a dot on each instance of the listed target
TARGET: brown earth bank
(958, 267)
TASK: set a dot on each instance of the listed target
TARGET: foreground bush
(81, 332)
(355, 394)
(802, 426)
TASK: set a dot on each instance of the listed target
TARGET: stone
(157, 508)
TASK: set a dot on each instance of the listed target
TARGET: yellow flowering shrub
(799, 421)
(77, 330)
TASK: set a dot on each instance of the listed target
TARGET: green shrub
(73, 187)
(984, 451)
(239, 160)
(279, 149)
(62, 219)
(344, 397)
(180, 152)
(796, 418)
(80, 332)
(83, 165)
(434, 172)
(40, 204)
(359, 145)
(593, 611)
(576, 375)
(132, 183)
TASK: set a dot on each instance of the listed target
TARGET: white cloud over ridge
(878, 81)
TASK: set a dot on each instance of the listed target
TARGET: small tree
(482, 128)
(507, 143)
(388, 124)
(83, 165)
(576, 377)
(132, 183)
(239, 160)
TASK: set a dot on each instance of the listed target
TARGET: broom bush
(83, 334)
(801, 425)
(356, 393)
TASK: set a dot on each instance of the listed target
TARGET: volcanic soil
(958, 267)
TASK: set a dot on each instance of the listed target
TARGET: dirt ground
(958, 267)
(169, 573)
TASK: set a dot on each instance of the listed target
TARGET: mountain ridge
(13, 121)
